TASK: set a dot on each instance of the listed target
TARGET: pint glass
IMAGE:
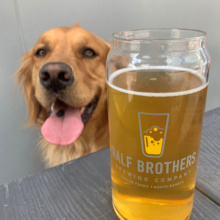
(157, 83)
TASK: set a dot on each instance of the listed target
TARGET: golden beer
(156, 118)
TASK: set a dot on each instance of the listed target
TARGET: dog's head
(63, 76)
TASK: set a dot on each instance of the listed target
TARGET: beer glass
(157, 83)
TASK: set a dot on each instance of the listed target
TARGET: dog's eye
(89, 53)
(41, 52)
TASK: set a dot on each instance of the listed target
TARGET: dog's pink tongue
(63, 126)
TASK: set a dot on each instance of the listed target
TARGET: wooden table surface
(81, 189)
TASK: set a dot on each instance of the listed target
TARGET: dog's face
(64, 76)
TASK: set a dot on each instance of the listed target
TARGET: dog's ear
(107, 49)
(24, 79)
(108, 45)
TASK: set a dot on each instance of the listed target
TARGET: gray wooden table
(81, 189)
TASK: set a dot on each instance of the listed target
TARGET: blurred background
(22, 22)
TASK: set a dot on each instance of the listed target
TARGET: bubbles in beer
(155, 132)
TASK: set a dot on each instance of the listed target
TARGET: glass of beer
(157, 83)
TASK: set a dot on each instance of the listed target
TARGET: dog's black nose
(56, 76)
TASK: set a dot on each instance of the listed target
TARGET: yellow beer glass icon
(153, 141)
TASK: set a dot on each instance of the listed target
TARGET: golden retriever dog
(64, 80)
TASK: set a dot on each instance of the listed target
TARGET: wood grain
(208, 177)
(204, 209)
(80, 189)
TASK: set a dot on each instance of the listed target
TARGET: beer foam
(158, 94)
(155, 132)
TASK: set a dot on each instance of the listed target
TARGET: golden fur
(65, 44)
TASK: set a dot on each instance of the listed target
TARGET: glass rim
(197, 34)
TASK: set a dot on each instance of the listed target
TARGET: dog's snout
(56, 76)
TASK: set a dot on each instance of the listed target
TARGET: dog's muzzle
(56, 76)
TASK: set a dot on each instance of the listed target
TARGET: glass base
(118, 214)
(122, 218)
